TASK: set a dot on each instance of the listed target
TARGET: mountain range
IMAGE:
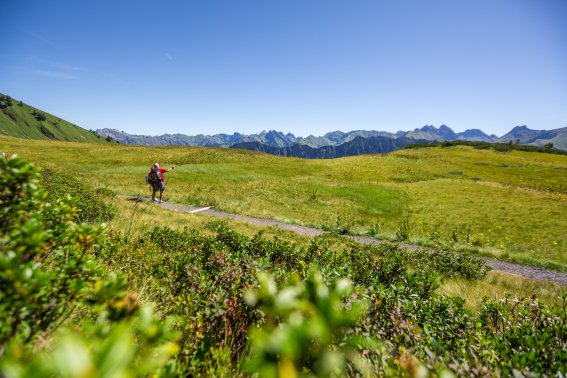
(338, 143)
(357, 146)
(24, 121)
(278, 139)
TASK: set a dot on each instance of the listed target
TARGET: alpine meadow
(505, 205)
(214, 297)
(283, 189)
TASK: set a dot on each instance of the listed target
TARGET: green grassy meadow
(509, 205)
(137, 218)
(196, 295)
(24, 121)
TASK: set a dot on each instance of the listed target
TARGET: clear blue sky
(300, 66)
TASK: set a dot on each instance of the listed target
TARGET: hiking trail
(527, 271)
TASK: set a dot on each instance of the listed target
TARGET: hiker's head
(156, 165)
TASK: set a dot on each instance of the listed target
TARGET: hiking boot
(161, 201)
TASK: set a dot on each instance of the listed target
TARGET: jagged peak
(521, 128)
(428, 128)
(275, 132)
(473, 131)
(336, 132)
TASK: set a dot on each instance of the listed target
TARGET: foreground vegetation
(78, 299)
(509, 205)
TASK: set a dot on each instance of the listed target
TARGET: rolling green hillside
(511, 203)
(23, 121)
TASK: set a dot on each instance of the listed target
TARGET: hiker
(156, 180)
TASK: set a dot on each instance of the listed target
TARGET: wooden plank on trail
(199, 210)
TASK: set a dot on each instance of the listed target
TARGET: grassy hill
(511, 205)
(23, 121)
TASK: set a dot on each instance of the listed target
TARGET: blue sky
(300, 66)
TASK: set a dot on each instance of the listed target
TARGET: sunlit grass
(515, 202)
(135, 218)
(498, 284)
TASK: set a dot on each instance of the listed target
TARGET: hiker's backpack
(153, 176)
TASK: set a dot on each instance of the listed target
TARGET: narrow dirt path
(531, 272)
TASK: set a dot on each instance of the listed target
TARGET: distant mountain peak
(428, 129)
(518, 132)
(430, 132)
(476, 135)
(276, 139)
(521, 128)
(473, 132)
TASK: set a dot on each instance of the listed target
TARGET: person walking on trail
(157, 181)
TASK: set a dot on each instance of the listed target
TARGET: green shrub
(92, 205)
(500, 147)
(449, 264)
(306, 328)
(48, 271)
(201, 280)
(46, 260)
(198, 279)
(135, 345)
(404, 231)
(525, 335)
(435, 233)
(375, 230)
(478, 239)
(343, 224)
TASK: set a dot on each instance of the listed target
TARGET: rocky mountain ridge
(338, 143)
(274, 138)
(357, 146)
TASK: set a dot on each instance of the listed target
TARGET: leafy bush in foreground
(202, 280)
(136, 345)
(46, 263)
(526, 334)
(413, 327)
(306, 328)
(48, 273)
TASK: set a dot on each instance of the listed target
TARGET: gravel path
(531, 272)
